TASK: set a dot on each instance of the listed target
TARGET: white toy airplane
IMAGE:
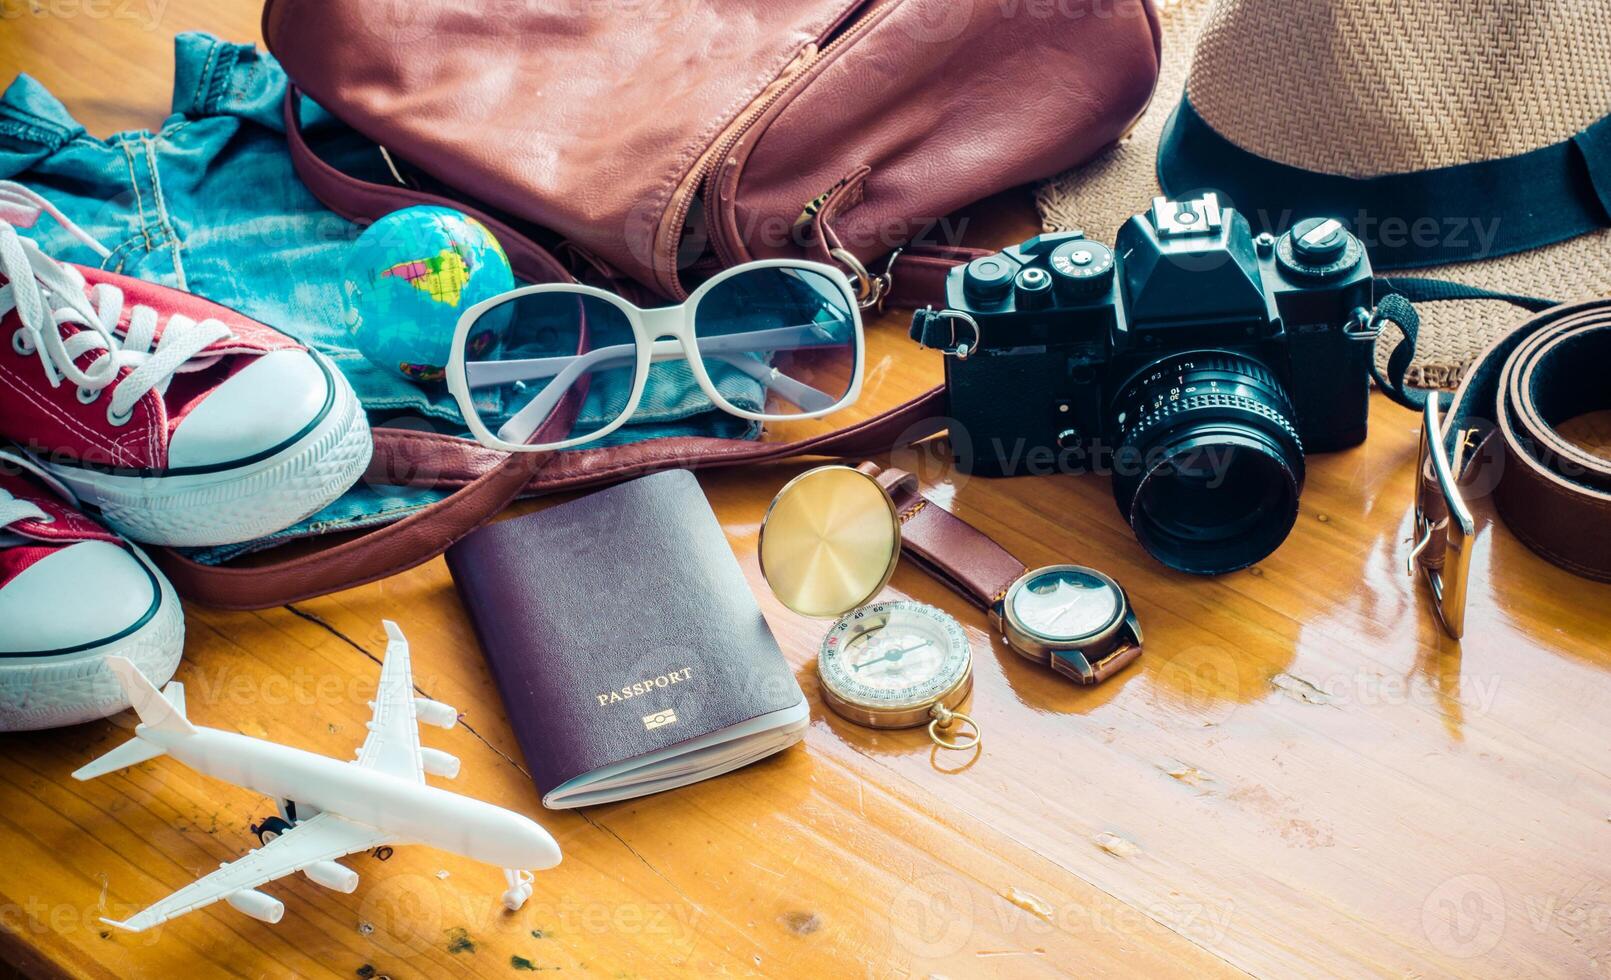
(340, 807)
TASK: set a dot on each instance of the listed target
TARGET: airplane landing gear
(519, 888)
(270, 828)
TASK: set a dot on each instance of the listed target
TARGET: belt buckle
(1447, 580)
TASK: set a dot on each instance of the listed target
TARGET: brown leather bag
(654, 141)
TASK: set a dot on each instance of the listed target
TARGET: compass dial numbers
(894, 655)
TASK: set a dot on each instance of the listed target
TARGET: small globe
(409, 277)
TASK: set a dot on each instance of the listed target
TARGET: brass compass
(828, 545)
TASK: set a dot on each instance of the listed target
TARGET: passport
(626, 645)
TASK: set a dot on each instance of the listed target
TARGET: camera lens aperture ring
(1210, 464)
(1221, 371)
(1162, 417)
(1189, 382)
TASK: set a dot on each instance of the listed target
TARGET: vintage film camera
(1194, 361)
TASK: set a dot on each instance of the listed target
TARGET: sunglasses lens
(555, 365)
(780, 341)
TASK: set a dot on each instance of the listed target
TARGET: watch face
(1066, 603)
(894, 654)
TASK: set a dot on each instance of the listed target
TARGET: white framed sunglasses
(770, 341)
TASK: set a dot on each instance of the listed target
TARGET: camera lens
(1209, 465)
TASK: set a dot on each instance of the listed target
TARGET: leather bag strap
(424, 535)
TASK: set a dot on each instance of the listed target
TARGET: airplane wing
(320, 838)
(393, 743)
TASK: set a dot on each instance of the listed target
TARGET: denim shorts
(210, 203)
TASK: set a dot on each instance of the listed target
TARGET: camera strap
(957, 334)
(1394, 299)
(953, 333)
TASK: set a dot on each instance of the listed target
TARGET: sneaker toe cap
(265, 405)
(82, 595)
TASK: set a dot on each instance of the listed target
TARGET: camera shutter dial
(1318, 248)
(1319, 241)
(1081, 269)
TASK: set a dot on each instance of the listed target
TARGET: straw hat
(1466, 141)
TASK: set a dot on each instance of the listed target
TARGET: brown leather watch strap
(1500, 434)
(947, 547)
(966, 559)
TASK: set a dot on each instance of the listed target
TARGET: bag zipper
(712, 162)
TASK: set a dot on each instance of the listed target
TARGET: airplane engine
(334, 876)
(263, 908)
(435, 713)
(439, 763)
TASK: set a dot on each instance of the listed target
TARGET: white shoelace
(12, 509)
(48, 294)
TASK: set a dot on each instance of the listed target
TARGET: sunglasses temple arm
(809, 398)
(482, 374)
(487, 374)
(730, 347)
(523, 423)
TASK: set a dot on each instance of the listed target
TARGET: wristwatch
(1075, 620)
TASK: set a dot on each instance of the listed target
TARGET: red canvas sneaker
(71, 594)
(183, 422)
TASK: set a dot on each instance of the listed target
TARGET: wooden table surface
(1302, 776)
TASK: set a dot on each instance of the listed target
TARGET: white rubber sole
(238, 504)
(70, 689)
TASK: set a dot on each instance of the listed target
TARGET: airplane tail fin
(163, 714)
(162, 711)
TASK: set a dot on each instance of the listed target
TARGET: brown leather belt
(1498, 437)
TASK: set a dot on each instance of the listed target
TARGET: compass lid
(830, 541)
